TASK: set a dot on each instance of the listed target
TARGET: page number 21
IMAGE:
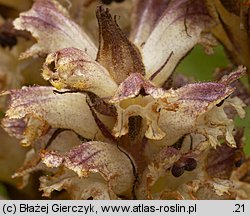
(239, 208)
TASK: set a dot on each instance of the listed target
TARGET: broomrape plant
(117, 123)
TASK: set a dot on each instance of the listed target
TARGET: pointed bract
(116, 53)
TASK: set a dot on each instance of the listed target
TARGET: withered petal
(192, 115)
(197, 111)
(156, 169)
(214, 189)
(241, 89)
(74, 69)
(77, 188)
(50, 24)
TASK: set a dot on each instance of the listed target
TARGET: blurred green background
(201, 67)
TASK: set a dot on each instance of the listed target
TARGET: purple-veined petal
(129, 102)
(97, 157)
(157, 168)
(50, 24)
(42, 108)
(197, 112)
(178, 30)
(173, 113)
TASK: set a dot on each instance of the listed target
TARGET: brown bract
(116, 52)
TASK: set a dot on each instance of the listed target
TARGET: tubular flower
(107, 128)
